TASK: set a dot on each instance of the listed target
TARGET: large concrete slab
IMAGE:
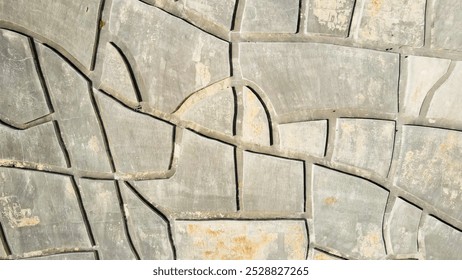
(444, 19)
(304, 137)
(403, 227)
(330, 17)
(442, 242)
(270, 16)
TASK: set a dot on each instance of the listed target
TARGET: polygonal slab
(442, 242)
(220, 12)
(446, 15)
(348, 213)
(241, 240)
(255, 124)
(403, 227)
(304, 137)
(330, 17)
(270, 16)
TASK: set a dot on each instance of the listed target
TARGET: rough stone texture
(101, 201)
(391, 21)
(68, 257)
(255, 124)
(21, 93)
(403, 227)
(39, 211)
(241, 240)
(304, 137)
(211, 188)
(321, 256)
(330, 17)
(442, 242)
(429, 167)
(366, 144)
(298, 76)
(220, 12)
(348, 213)
(270, 16)
(444, 19)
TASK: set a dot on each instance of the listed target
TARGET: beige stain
(16, 216)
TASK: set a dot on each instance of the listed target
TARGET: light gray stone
(442, 242)
(199, 183)
(241, 240)
(403, 227)
(220, 11)
(364, 143)
(68, 257)
(308, 76)
(270, 16)
(70, 95)
(138, 142)
(330, 17)
(40, 211)
(101, 202)
(37, 144)
(348, 213)
(272, 184)
(21, 93)
(255, 124)
(444, 22)
(167, 68)
(69, 24)
(422, 74)
(446, 102)
(391, 21)
(304, 137)
(148, 230)
(429, 167)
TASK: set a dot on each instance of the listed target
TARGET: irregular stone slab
(446, 101)
(21, 93)
(70, 95)
(429, 167)
(68, 257)
(403, 227)
(37, 144)
(299, 76)
(272, 184)
(255, 124)
(102, 204)
(241, 240)
(199, 183)
(40, 211)
(348, 213)
(442, 242)
(321, 256)
(422, 74)
(363, 143)
(214, 111)
(167, 69)
(138, 142)
(148, 230)
(70, 25)
(330, 17)
(392, 21)
(304, 137)
(446, 15)
(220, 12)
(270, 16)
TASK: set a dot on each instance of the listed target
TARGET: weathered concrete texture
(241, 240)
(68, 257)
(442, 242)
(270, 16)
(403, 227)
(21, 93)
(69, 24)
(37, 144)
(39, 211)
(199, 184)
(148, 230)
(304, 137)
(429, 167)
(102, 204)
(220, 12)
(321, 256)
(348, 213)
(300, 76)
(364, 143)
(391, 21)
(444, 22)
(144, 143)
(330, 17)
(422, 75)
(272, 184)
(255, 123)
(447, 99)
(2, 251)
(70, 96)
(167, 68)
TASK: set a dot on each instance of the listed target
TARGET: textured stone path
(230, 129)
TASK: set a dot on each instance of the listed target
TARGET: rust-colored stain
(330, 200)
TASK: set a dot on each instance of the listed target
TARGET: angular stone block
(330, 17)
(241, 240)
(304, 137)
(444, 22)
(403, 227)
(348, 213)
(255, 123)
(272, 184)
(270, 16)
(309, 76)
(220, 12)
(442, 242)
